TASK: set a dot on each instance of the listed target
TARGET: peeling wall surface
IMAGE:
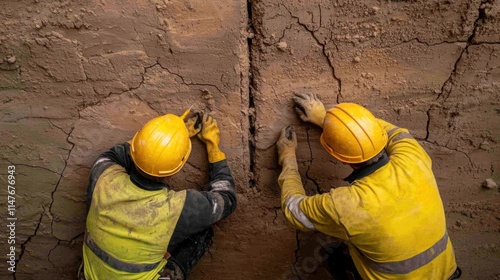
(77, 77)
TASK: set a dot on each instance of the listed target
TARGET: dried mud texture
(429, 66)
(77, 77)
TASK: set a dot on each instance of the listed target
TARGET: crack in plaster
(318, 189)
(188, 83)
(59, 241)
(296, 252)
(60, 178)
(323, 45)
(60, 128)
(100, 101)
(50, 251)
(452, 150)
(448, 84)
(427, 126)
(25, 244)
(276, 210)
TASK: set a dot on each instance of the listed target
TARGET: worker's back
(131, 225)
(394, 217)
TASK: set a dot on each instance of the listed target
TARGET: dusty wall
(87, 75)
(79, 76)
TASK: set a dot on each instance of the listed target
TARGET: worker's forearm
(292, 193)
(289, 180)
(214, 153)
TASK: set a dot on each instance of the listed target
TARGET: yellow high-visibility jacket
(133, 221)
(391, 215)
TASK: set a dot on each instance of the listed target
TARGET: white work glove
(310, 108)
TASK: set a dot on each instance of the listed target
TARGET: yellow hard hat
(162, 146)
(352, 134)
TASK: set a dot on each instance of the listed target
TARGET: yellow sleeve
(402, 143)
(292, 192)
(306, 213)
(321, 211)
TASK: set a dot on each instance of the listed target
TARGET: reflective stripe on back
(409, 265)
(116, 263)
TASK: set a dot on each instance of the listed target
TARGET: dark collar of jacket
(367, 170)
(145, 183)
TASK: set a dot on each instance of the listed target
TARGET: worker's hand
(210, 136)
(309, 108)
(193, 125)
(287, 144)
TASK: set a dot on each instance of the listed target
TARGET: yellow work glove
(210, 136)
(310, 108)
(287, 144)
(193, 125)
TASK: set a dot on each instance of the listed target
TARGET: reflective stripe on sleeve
(101, 160)
(222, 185)
(391, 132)
(116, 263)
(292, 203)
(411, 264)
(401, 135)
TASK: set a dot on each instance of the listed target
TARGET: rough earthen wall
(76, 77)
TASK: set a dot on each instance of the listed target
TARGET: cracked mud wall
(429, 66)
(77, 77)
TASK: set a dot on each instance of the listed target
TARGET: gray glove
(309, 108)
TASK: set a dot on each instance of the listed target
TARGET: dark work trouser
(186, 254)
(339, 262)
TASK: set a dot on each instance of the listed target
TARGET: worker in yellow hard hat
(137, 226)
(389, 217)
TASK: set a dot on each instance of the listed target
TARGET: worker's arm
(202, 209)
(292, 193)
(306, 213)
(401, 142)
(292, 190)
(118, 154)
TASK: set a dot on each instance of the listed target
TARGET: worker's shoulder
(343, 193)
(111, 170)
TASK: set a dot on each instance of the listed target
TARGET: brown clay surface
(77, 77)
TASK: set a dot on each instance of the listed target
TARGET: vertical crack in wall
(60, 179)
(427, 126)
(448, 84)
(251, 102)
(50, 252)
(323, 45)
(296, 253)
(25, 244)
(318, 189)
